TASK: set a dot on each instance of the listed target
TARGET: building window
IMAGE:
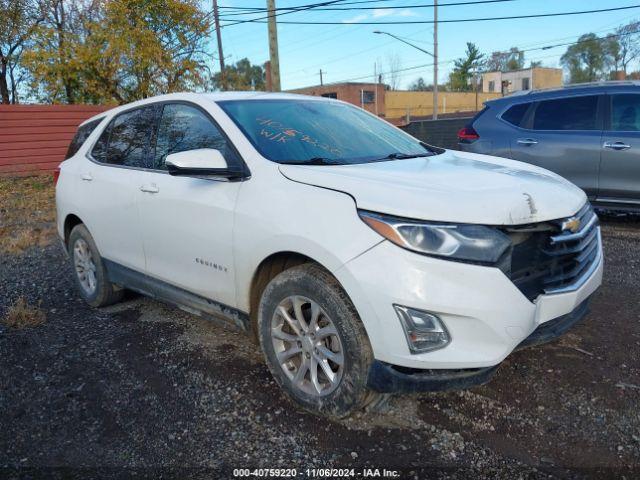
(492, 86)
(330, 95)
(525, 83)
(368, 96)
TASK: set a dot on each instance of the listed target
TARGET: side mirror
(201, 162)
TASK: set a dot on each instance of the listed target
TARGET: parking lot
(148, 388)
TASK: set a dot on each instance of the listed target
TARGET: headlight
(471, 243)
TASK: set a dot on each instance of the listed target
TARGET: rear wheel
(90, 274)
(314, 342)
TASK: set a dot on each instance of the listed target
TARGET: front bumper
(485, 314)
(386, 378)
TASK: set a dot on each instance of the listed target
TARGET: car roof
(210, 96)
(568, 90)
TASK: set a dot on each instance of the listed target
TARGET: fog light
(424, 331)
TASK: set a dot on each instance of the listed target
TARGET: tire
(89, 271)
(286, 350)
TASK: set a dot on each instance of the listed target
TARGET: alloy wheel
(307, 345)
(85, 267)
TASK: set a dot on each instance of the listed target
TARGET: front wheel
(314, 343)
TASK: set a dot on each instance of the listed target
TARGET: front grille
(551, 258)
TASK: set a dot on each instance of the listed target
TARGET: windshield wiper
(404, 156)
(316, 161)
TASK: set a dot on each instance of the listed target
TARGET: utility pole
(321, 78)
(435, 59)
(375, 80)
(216, 19)
(273, 46)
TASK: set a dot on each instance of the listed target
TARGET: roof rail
(603, 83)
(633, 83)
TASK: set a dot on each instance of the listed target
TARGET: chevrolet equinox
(363, 261)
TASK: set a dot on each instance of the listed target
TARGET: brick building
(526, 79)
(370, 96)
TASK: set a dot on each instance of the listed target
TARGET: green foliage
(585, 59)
(461, 76)
(241, 76)
(118, 51)
(18, 20)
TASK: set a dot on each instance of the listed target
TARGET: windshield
(319, 132)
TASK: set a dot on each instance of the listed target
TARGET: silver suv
(589, 134)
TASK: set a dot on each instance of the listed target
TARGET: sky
(351, 50)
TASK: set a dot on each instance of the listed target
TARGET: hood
(451, 187)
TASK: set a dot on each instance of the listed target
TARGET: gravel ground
(143, 389)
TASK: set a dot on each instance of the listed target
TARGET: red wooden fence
(35, 138)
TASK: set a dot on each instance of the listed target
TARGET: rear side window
(515, 114)
(126, 140)
(130, 136)
(81, 136)
(625, 113)
(576, 113)
(184, 128)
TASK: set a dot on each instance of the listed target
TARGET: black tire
(105, 293)
(317, 284)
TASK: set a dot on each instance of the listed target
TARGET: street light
(403, 41)
(435, 71)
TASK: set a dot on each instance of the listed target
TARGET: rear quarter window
(81, 136)
(515, 114)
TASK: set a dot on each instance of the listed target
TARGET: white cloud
(407, 13)
(356, 19)
(382, 13)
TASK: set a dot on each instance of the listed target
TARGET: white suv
(363, 261)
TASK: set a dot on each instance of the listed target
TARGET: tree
(535, 64)
(629, 42)
(506, 61)
(394, 62)
(612, 54)
(19, 19)
(241, 76)
(419, 85)
(54, 61)
(464, 68)
(585, 60)
(92, 51)
(515, 60)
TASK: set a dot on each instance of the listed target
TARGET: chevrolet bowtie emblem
(573, 224)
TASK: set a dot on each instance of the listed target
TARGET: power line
(296, 10)
(548, 47)
(459, 20)
(391, 7)
(262, 9)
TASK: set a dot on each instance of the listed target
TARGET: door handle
(616, 145)
(86, 177)
(527, 141)
(149, 188)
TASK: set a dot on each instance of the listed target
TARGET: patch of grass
(23, 315)
(27, 212)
